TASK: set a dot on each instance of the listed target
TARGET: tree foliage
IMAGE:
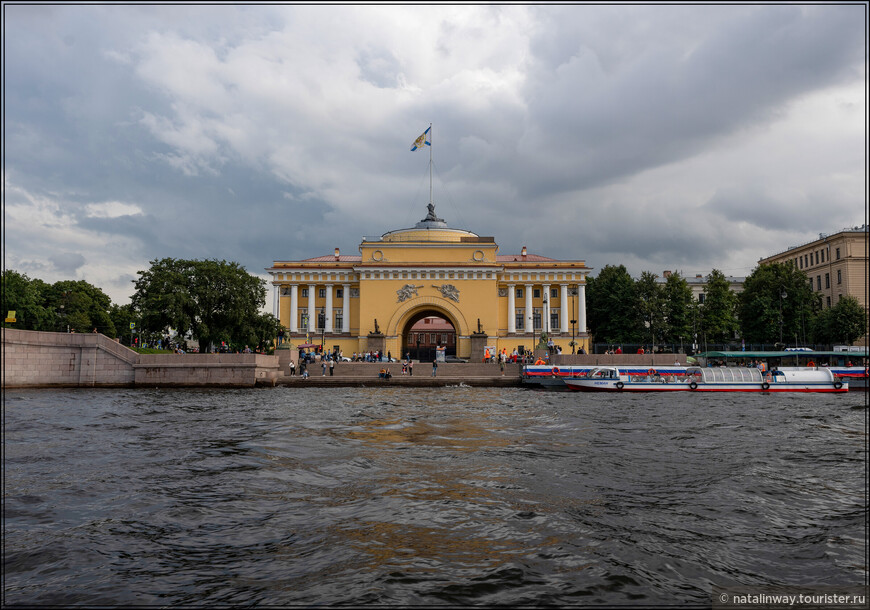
(777, 304)
(651, 309)
(611, 306)
(212, 300)
(719, 311)
(678, 305)
(65, 305)
(843, 323)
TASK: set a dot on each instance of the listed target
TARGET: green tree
(213, 300)
(650, 308)
(719, 311)
(678, 309)
(843, 323)
(80, 306)
(611, 306)
(26, 298)
(777, 304)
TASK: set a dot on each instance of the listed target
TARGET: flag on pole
(421, 141)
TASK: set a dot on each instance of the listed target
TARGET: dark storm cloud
(650, 135)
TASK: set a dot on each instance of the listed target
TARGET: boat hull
(633, 386)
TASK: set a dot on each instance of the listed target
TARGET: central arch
(422, 332)
(420, 308)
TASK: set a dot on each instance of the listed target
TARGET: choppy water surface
(426, 496)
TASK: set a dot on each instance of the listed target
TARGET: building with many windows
(372, 300)
(835, 264)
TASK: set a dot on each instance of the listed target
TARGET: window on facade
(554, 293)
(838, 254)
(828, 299)
(554, 318)
(339, 318)
(839, 276)
(519, 293)
(303, 321)
(321, 321)
(432, 338)
(339, 293)
(701, 298)
(520, 319)
(321, 292)
(827, 280)
(818, 282)
(536, 293)
(811, 283)
(305, 293)
(823, 256)
(817, 258)
(536, 320)
(444, 339)
(801, 262)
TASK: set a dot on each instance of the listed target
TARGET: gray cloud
(652, 136)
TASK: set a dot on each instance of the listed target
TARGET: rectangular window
(519, 293)
(811, 283)
(801, 262)
(339, 293)
(339, 319)
(303, 324)
(823, 256)
(305, 293)
(701, 298)
(432, 338)
(554, 319)
(536, 320)
(827, 280)
(828, 299)
(818, 282)
(554, 293)
(444, 339)
(817, 258)
(536, 293)
(838, 254)
(521, 319)
(321, 292)
(839, 276)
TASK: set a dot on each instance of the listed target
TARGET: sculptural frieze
(407, 291)
(448, 291)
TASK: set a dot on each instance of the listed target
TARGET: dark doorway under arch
(424, 331)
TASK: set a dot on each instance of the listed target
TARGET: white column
(564, 308)
(311, 314)
(530, 312)
(275, 300)
(512, 318)
(545, 314)
(328, 323)
(294, 308)
(345, 309)
(581, 307)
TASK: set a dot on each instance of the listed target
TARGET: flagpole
(430, 165)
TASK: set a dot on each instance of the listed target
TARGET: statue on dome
(431, 216)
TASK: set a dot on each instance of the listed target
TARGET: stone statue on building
(407, 291)
(448, 291)
(431, 216)
(377, 328)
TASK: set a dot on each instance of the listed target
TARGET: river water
(452, 495)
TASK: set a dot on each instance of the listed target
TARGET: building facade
(357, 303)
(835, 264)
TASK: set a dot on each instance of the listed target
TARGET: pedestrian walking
(331, 367)
(292, 368)
(410, 368)
(434, 367)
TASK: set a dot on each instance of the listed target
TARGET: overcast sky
(659, 137)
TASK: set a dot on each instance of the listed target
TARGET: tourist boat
(724, 379)
(552, 377)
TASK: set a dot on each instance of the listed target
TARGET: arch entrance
(426, 330)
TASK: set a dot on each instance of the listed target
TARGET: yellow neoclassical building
(370, 301)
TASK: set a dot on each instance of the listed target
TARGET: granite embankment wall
(42, 359)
